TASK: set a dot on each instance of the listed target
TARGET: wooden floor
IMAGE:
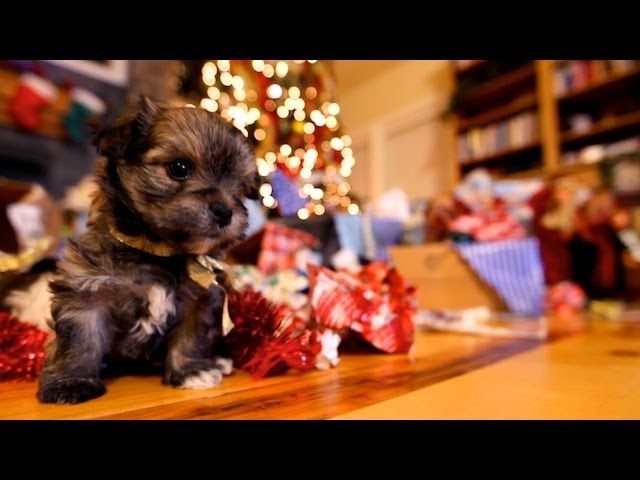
(590, 370)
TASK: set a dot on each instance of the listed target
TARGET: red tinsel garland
(21, 349)
(266, 338)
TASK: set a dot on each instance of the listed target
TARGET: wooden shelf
(471, 68)
(525, 174)
(559, 170)
(603, 128)
(576, 167)
(509, 82)
(597, 88)
(502, 154)
(496, 114)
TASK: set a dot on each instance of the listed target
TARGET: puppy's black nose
(221, 213)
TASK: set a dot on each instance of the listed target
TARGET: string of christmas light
(287, 109)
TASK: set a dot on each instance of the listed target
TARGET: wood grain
(548, 114)
(502, 111)
(492, 91)
(595, 375)
(359, 380)
(502, 154)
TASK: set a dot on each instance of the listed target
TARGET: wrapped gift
(280, 245)
(386, 232)
(285, 191)
(491, 225)
(30, 222)
(368, 236)
(565, 299)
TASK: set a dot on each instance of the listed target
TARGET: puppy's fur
(111, 300)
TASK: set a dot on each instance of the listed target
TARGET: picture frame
(115, 72)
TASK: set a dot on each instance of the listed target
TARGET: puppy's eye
(179, 169)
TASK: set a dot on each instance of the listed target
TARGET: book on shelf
(628, 145)
(514, 132)
(578, 74)
(598, 152)
(622, 66)
(464, 64)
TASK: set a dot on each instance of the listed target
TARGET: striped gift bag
(513, 268)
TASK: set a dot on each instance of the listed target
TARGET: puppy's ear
(253, 191)
(128, 137)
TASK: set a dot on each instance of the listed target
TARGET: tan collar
(159, 249)
(202, 268)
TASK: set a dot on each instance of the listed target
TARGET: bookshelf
(544, 117)
(497, 111)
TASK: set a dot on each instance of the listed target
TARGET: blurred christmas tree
(287, 109)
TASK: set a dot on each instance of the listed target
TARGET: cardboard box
(443, 279)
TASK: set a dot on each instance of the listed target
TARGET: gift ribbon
(33, 252)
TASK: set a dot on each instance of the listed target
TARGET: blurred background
(383, 159)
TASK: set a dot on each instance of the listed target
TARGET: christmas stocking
(84, 105)
(32, 95)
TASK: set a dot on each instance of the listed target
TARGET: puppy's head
(179, 174)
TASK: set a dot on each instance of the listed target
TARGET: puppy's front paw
(203, 379)
(70, 390)
(225, 365)
(201, 374)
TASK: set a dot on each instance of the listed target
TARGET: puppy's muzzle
(221, 214)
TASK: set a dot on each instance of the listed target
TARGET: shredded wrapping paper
(377, 303)
(338, 300)
(489, 226)
(285, 287)
(481, 321)
(272, 335)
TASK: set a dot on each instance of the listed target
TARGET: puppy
(171, 187)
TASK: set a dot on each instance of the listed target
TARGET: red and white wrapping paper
(377, 302)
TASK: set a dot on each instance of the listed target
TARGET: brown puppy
(172, 183)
